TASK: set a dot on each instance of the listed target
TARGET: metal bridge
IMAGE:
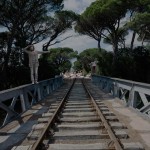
(58, 113)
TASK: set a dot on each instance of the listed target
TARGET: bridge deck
(138, 125)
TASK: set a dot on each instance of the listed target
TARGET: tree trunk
(99, 46)
(6, 59)
(99, 43)
(143, 39)
(115, 50)
(132, 41)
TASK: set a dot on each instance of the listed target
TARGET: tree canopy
(108, 20)
(60, 58)
(85, 58)
(103, 21)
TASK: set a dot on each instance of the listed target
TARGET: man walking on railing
(33, 61)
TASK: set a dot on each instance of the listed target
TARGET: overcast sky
(78, 42)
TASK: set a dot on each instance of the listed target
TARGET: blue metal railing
(27, 95)
(134, 94)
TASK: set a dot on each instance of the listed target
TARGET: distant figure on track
(93, 66)
(33, 61)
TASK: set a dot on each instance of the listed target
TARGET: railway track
(79, 122)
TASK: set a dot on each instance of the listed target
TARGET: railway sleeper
(22, 147)
(121, 134)
(78, 114)
(78, 102)
(53, 107)
(34, 135)
(101, 105)
(55, 104)
(48, 114)
(39, 126)
(80, 119)
(111, 118)
(93, 146)
(51, 110)
(104, 109)
(78, 106)
(43, 120)
(117, 125)
(80, 135)
(77, 98)
(108, 113)
(80, 127)
(79, 110)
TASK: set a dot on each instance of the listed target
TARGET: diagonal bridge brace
(10, 113)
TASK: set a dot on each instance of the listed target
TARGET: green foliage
(77, 66)
(103, 17)
(105, 63)
(139, 21)
(133, 64)
(141, 24)
(141, 61)
(59, 58)
(104, 58)
(16, 75)
(46, 70)
(85, 58)
(85, 26)
(3, 39)
(61, 22)
(88, 56)
(121, 33)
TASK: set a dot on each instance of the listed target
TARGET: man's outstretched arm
(44, 52)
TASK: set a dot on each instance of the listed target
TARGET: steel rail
(113, 137)
(40, 139)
